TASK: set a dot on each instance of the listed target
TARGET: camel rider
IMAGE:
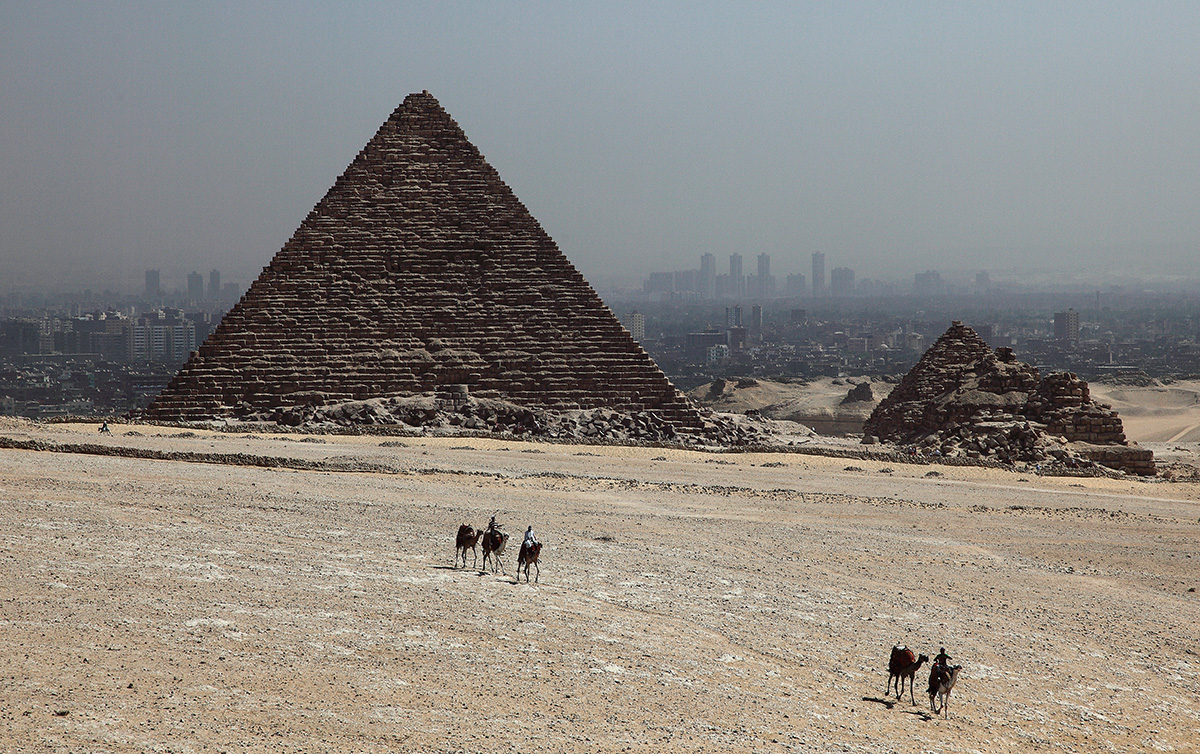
(530, 540)
(941, 658)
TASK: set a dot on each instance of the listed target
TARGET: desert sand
(687, 601)
(816, 403)
(1155, 413)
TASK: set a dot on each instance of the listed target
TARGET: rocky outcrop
(418, 271)
(860, 393)
(963, 399)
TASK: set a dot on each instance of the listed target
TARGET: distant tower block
(841, 281)
(637, 326)
(1066, 326)
(737, 280)
(818, 273)
(420, 269)
(195, 283)
(153, 286)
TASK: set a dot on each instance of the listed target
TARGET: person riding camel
(940, 659)
(940, 669)
(530, 539)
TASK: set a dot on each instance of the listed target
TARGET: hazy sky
(894, 137)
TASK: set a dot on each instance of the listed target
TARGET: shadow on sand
(890, 704)
(885, 702)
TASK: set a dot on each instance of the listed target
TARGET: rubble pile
(460, 413)
(964, 400)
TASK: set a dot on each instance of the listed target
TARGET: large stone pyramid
(419, 270)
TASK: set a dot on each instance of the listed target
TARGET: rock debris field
(688, 601)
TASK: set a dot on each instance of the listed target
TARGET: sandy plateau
(687, 601)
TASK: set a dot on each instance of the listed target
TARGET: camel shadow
(459, 569)
(885, 702)
(919, 713)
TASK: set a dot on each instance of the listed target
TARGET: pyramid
(912, 407)
(419, 271)
(964, 398)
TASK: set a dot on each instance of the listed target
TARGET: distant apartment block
(841, 281)
(1066, 326)
(818, 273)
(635, 322)
(153, 284)
(195, 286)
(928, 283)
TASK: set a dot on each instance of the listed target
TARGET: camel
(494, 542)
(529, 557)
(903, 665)
(466, 540)
(941, 680)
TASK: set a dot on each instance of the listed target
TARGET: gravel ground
(687, 602)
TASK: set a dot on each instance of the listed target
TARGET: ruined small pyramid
(419, 270)
(963, 398)
(911, 406)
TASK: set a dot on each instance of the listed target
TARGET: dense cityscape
(105, 354)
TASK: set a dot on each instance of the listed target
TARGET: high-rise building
(841, 281)
(195, 286)
(765, 284)
(153, 287)
(1066, 325)
(708, 276)
(756, 319)
(162, 336)
(636, 322)
(733, 316)
(737, 280)
(818, 273)
(214, 285)
(796, 286)
(928, 283)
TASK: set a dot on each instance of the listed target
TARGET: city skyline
(896, 137)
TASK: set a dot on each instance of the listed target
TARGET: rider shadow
(885, 702)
